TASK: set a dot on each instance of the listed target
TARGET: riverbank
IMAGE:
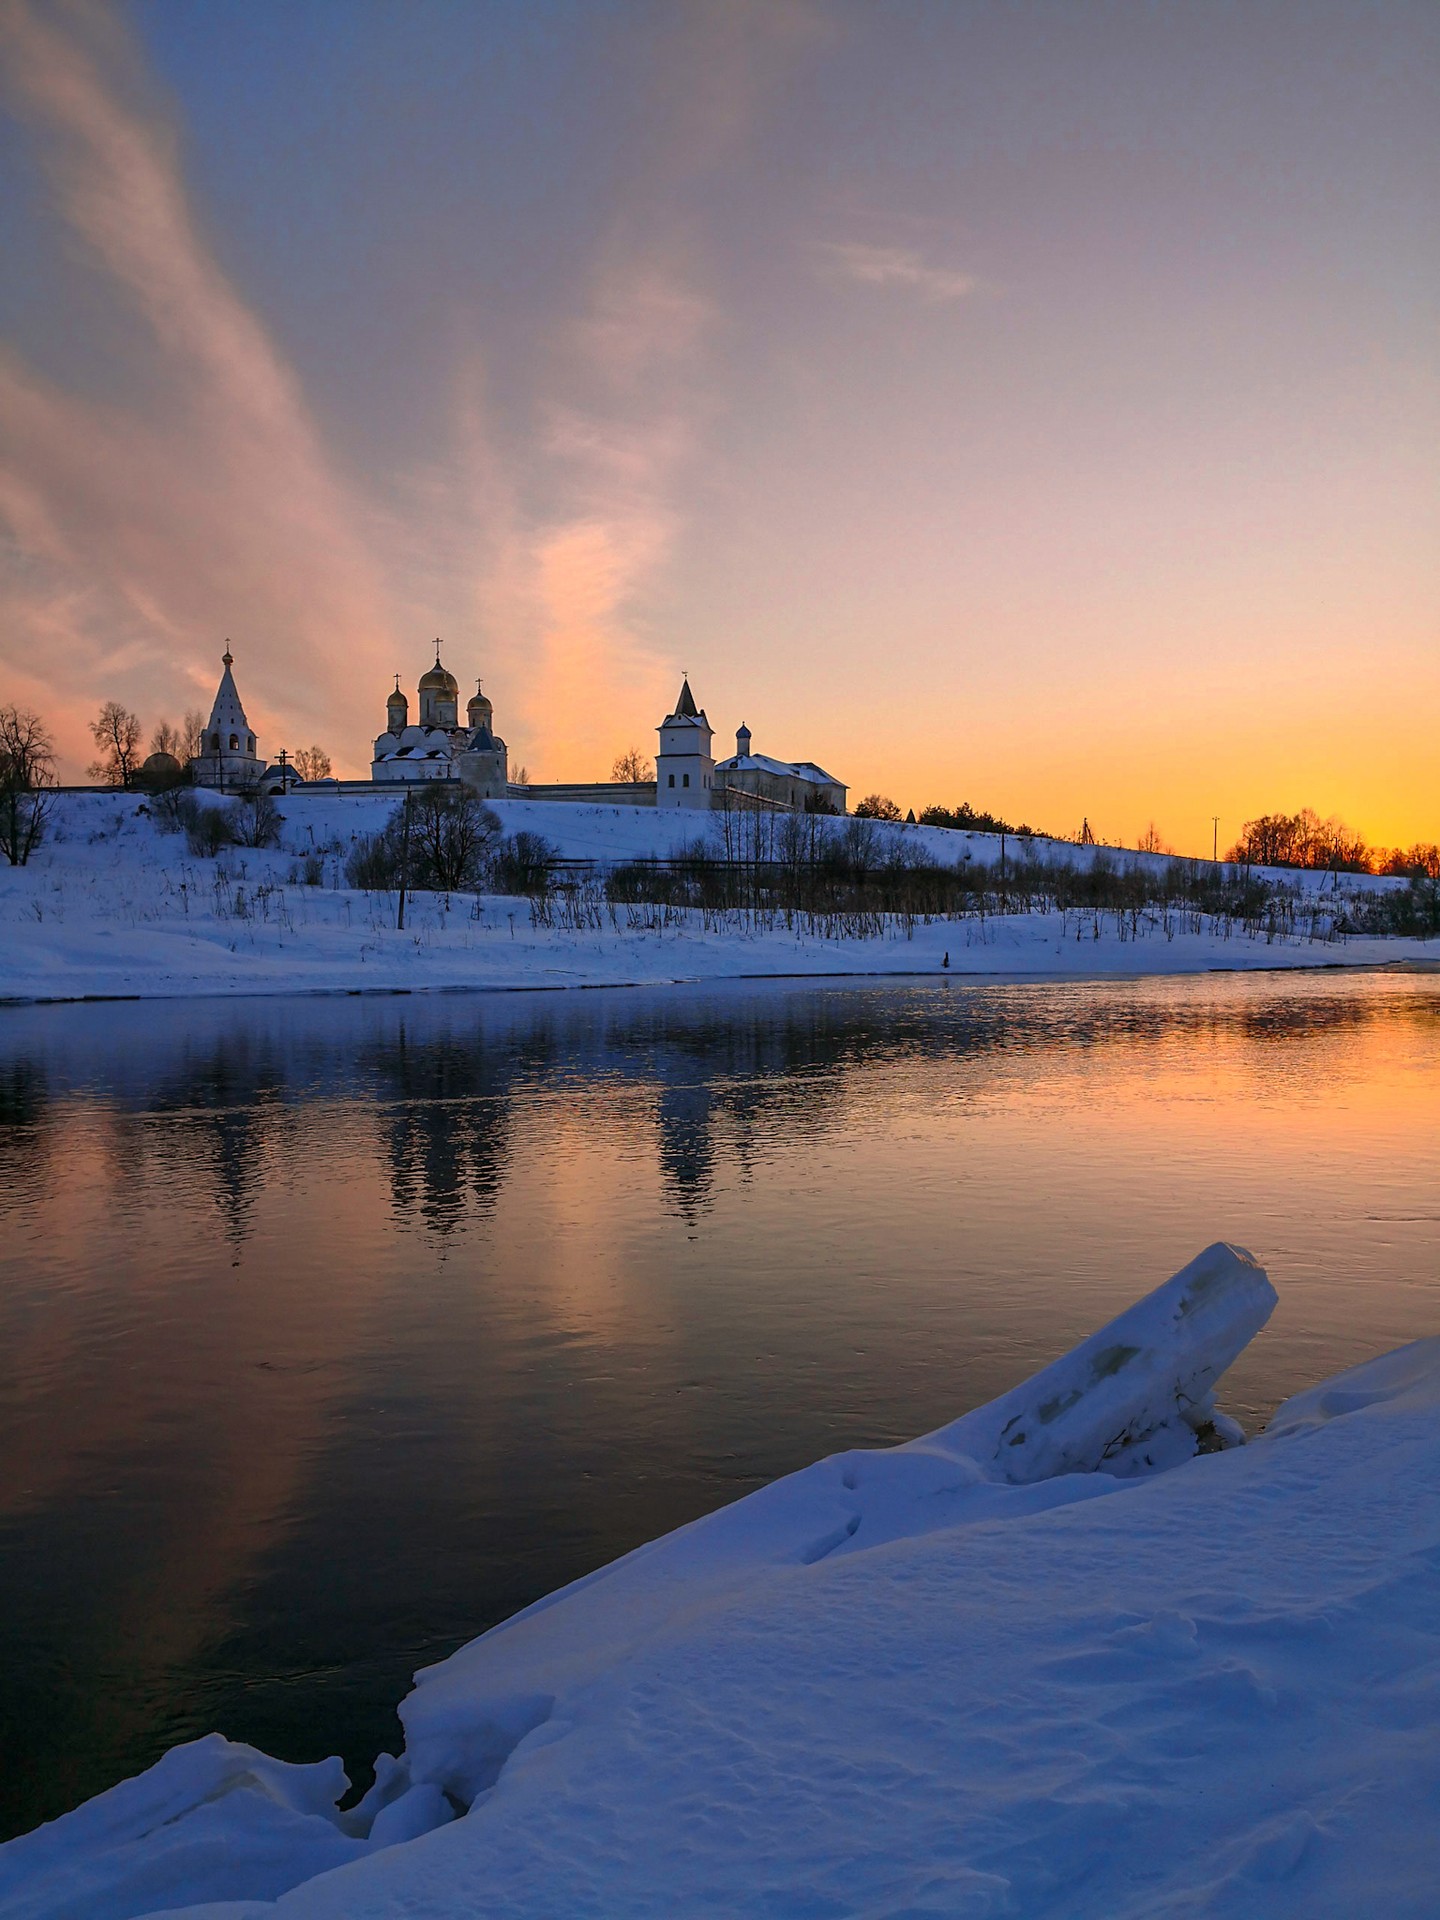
(1050, 1660)
(112, 908)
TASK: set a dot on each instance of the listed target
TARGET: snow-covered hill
(112, 906)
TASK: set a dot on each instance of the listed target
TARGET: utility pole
(1215, 839)
(404, 862)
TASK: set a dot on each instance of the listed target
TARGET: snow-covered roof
(686, 713)
(417, 743)
(782, 769)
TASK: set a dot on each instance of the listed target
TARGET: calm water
(334, 1331)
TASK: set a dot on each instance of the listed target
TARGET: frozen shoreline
(111, 908)
(1054, 1659)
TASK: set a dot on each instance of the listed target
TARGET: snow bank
(1128, 1400)
(111, 906)
(211, 1814)
(1052, 1660)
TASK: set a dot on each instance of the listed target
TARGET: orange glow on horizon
(1041, 456)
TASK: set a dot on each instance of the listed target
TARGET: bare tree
(255, 821)
(27, 771)
(632, 766)
(192, 733)
(877, 806)
(116, 732)
(1151, 842)
(312, 763)
(166, 739)
(521, 776)
(1418, 862)
(523, 862)
(452, 832)
(1301, 839)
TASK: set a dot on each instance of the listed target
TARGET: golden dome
(439, 679)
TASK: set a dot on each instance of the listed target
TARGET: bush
(443, 846)
(256, 821)
(174, 810)
(373, 863)
(968, 819)
(523, 862)
(1412, 911)
(208, 830)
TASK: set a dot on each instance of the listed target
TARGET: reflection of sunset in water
(337, 1330)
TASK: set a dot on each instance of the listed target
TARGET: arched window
(214, 743)
(252, 743)
(234, 741)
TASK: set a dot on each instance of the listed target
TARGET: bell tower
(684, 766)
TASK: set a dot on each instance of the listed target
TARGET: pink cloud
(142, 540)
(143, 534)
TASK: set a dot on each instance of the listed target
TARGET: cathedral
(438, 747)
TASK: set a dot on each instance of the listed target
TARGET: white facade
(685, 766)
(439, 747)
(227, 758)
(783, 783)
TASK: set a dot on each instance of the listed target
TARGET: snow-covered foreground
(111, 906)
(1050, 1660)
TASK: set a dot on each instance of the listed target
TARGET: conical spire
(227, 710)
(685, 706)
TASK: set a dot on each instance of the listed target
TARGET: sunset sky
(1031, 404)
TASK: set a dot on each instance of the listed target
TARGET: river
(335, 1330)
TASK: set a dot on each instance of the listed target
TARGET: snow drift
(1043, 1661)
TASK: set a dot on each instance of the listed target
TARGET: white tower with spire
(684, 766)
(227, 758)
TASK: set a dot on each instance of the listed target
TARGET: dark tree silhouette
(116, 732)
(632, 766)
(27, 775)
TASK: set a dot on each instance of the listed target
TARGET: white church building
(688, 775)
(437, 745)
(227, 758)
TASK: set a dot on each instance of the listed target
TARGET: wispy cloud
(140, 536)
(555, 590)
(893, 267)
(136, 536)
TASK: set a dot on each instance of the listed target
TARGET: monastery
(439, 746)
